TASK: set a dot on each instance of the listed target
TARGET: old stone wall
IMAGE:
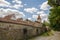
(10, 31)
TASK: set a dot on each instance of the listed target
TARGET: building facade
(19, 29)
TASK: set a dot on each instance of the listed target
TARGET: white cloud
(43, 15)
(17, 1)
(44, 6)
(5, 12)
(4, 3)
(17, 4)
(30, 10)
(40, 12)
(29, 18)
(34, 16)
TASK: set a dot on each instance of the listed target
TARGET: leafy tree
(54, 15)
(45, 23)
(54, 3)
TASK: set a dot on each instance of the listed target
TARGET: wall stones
(9, 31)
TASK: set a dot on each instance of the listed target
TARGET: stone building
(19, 29)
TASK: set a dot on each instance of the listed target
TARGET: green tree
(54, 3)
(54, 15)
(45, 23)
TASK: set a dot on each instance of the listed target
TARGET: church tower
(38, 18)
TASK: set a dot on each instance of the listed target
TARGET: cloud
(4, 3)
(29, 18)
(17, 4)
(34, 16)
(43, 15)
(44, 6)
(5, 12)
(17, 1)
(41, 12)
(30, 10)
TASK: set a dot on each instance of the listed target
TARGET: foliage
(45, 23)
(54, 3)
(54, 16)
(48, 33)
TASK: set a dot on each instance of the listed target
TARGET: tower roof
(38, 17)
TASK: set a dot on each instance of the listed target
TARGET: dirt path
(56, 36)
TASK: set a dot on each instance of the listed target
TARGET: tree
(54, 3)
(45, 23)
(54, 15)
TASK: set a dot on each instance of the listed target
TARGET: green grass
(48, 33)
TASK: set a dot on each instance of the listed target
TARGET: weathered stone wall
(10, 31)
(10, 34)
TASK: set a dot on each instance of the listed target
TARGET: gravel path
(56, 36)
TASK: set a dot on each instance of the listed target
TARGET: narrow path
(56, 36)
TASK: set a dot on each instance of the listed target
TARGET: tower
(38, 18)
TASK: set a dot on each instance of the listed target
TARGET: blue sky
(27, 9)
